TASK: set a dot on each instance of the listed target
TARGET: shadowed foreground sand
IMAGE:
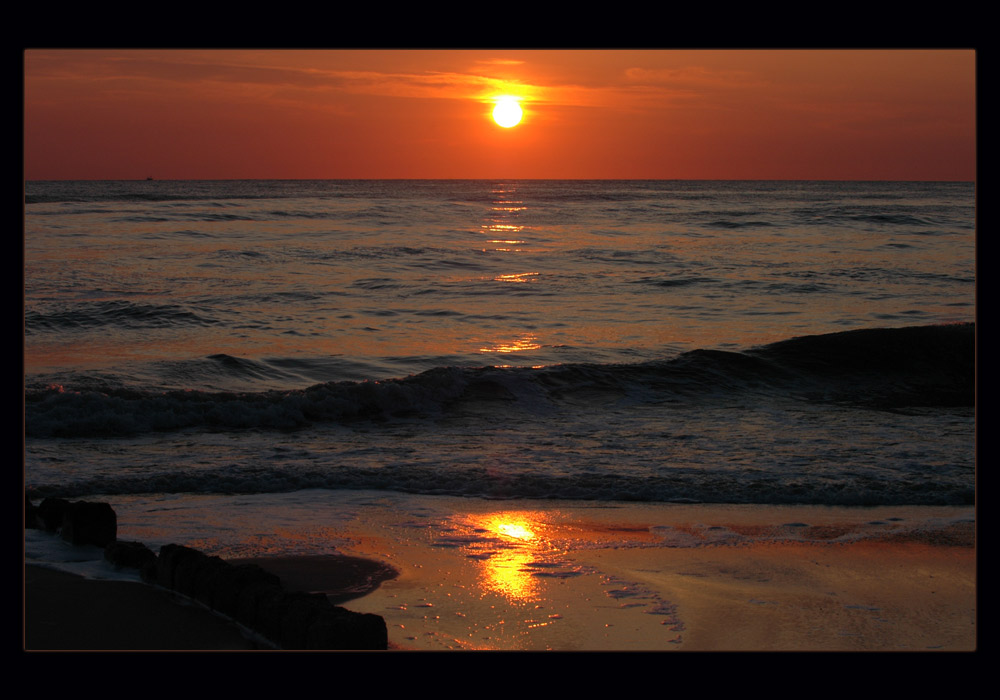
(64, 611)
(68, 612)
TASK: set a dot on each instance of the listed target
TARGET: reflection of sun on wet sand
(504, 567)
(701, 578)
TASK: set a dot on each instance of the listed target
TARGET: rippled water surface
(572, 339)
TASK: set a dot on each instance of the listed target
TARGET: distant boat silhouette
(149, 178)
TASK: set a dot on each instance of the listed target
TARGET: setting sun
(507, 112)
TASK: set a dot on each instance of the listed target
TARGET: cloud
(501, 62)
(223, 74)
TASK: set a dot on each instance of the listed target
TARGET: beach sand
(477, 575)
(676, 577)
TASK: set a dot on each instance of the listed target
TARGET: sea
(280, 345)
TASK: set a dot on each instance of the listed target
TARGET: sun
(508, 112)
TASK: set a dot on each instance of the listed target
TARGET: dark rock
(271, 610)
(131, 555)
(209, 578)
(255, 598)
(310, 621)
(339, 628)
(252, 603)
(303, 609)
(31, 519)
(165, 565)
(231, 581)
(51, 512)
(79, 522)
(89, 523)
(173, 557)
(182, 564)
(148, 572)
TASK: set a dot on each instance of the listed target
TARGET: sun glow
(507, 112)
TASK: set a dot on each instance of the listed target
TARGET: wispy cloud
(500, 62)
(271, 75)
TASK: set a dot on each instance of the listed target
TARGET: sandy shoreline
(696, 578)
(533, 576)
(794, 597)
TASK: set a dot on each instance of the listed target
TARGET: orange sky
(224, 114)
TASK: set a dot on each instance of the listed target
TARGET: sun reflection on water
(516, 277)
(527, 341)
(502, 223)
(505, 237)
(516, 545)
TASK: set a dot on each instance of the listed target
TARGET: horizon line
(479, 179)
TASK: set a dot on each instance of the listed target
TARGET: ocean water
(602, 341)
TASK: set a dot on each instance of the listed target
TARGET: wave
(883, 368)
(478, 481)
(729, 223)
(122, 314)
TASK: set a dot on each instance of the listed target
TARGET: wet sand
(795, 597)
(695, 578)
(479, 575)
(340, 578)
